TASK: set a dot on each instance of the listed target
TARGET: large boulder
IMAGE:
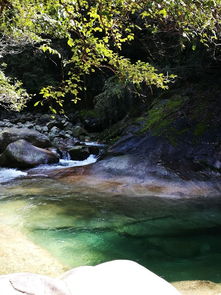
(79, 152)
(22, 154)
(9, 135)
(110, 278)
(145, 155)
(116, 277)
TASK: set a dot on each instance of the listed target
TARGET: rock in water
(9, 135)
(116, 277)
(22, 154)
(79, 152)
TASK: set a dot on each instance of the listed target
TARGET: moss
(161, 115)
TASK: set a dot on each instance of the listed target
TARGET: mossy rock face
(174, 120)
(176, 152)
(162, 114)
(164, 119)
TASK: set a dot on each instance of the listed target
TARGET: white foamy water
(10, 174)
(70, 163)
(92, 143)
(7, 174)
(65, 163)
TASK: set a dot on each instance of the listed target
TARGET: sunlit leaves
(12, 94)
(46, 48)
(95, 32)
(191, 20)
(140, 73)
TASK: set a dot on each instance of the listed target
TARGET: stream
(178, 238)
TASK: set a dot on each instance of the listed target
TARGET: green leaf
(37, 103)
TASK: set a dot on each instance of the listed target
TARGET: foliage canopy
(95, 32)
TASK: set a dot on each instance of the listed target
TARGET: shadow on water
(177, 238)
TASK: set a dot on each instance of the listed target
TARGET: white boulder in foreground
(116, 277)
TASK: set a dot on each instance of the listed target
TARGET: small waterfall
(7, 174)
(65, 155)
(74, 163)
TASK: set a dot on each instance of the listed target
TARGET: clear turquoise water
(179, 239)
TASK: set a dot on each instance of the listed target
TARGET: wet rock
(6, 123)
(51, 124)
(45, 129)
(22, 154)
(68, 126)
(94, 150)
(38, 128)
(43, 119)
(19, 125)
(79, 152)
(67, 135)
(54, 132)
(64, 143)
(28, 125)
(9, 135)
(149, 153)
(78, 130)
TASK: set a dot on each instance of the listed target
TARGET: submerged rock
(22, 154)
(9, 135)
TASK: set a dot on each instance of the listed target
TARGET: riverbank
(179, 152)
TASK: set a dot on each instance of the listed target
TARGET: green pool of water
(179, 239)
